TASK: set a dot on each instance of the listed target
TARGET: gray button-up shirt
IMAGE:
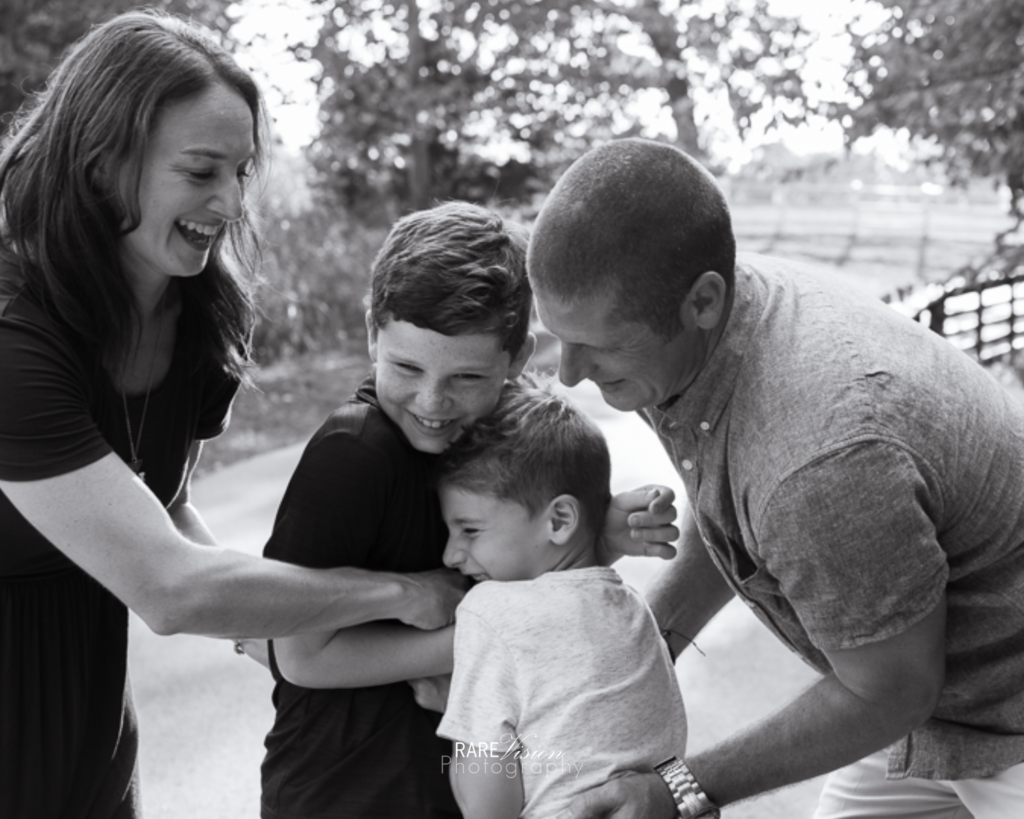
(845, 465)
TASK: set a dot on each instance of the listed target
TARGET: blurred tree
(34, 34)
(430, 99)
(950, 71)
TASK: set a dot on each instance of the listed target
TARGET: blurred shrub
(317, 259)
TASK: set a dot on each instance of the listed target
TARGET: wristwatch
(691, 801)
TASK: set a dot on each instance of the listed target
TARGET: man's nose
(572, 366)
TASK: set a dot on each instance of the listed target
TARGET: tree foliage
(425, 99)
(35, 33)
(951, 71)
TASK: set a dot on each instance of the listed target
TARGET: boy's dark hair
(534, 447)
(455, 269)
(638, 220)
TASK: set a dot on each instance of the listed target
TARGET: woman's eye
(201, 176)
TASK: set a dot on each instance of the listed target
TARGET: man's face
(632, 365)
(432, 385)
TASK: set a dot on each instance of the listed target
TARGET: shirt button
(704, 425)
(687, 465)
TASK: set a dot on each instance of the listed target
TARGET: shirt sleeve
(483, 700)
(218, 397)
(334, 505)
(852, 543)
(46, 426)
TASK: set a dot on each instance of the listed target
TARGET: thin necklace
(134, 444)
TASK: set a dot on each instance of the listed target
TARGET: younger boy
(561, 680)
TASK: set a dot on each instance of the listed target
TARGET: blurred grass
(288, 403)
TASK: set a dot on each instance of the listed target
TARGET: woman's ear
(563, 519)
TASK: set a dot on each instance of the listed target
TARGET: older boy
(561, 679)
(448, 326)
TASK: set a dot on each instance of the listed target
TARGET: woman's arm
(370, 654)
(105, 520)
(185, 516)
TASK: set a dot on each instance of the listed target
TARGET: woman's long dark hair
(62, 211)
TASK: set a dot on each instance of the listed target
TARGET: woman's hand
(432, 692)
(640, 523)
(433, 597)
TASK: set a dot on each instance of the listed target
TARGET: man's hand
(432, 598)
(639, 523)
(633, 796)
(432, 692)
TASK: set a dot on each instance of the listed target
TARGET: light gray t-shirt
(569, 675)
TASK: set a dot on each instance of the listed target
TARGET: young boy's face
(432, 385)
(491, 539)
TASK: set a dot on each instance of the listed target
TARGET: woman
(126, 251)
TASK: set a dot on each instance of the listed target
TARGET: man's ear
(371, 337)
(705, 304)
(563, 519)
(522, 357)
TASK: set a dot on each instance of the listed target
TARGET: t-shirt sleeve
(852, 543)
(218, 397)
(46, 427)
(334, 505)
(483, 701)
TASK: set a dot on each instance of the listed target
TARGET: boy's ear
(371, 337)
(563, 519)
(522, 358)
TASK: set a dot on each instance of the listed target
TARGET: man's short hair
(534, 447)
(455, 269)
(639, 220)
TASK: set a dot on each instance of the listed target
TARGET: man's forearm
(825, 728)
(690, 590)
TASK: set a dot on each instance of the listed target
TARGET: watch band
(691, 801)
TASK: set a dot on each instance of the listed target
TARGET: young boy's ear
(563, 519)
(522, 358)
(371, 337)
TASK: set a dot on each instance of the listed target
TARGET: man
(856, 480)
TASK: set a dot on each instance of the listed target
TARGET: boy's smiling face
(492, 539)
(432, 385)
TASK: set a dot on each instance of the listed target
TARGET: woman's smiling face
(432, 385)
(191, 185)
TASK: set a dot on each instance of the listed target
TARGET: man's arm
(488, 786)
(877, 694)
(370, 654)
(689, 591)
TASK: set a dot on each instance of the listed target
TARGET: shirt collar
(705, 400)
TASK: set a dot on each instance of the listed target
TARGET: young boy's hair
(455, 269)
(534, 447)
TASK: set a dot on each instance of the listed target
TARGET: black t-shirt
(361, 496)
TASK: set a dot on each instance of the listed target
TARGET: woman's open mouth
(197, 235)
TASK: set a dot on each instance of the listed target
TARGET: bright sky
(284, 22)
